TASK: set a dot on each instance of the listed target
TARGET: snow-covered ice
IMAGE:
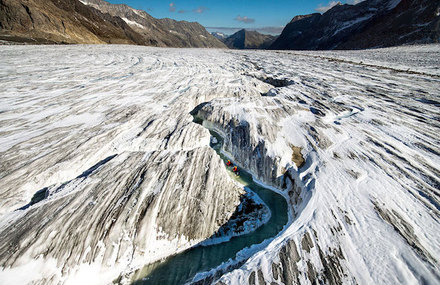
(106, 132)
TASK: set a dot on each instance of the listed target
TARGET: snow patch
(133, 23)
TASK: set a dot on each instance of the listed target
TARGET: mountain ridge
(368, 24)
(244, 39)
(95, 22)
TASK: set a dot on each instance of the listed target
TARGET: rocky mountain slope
(62, 21)
(163, 32)
(244, 39)
(371, 23)
(409, 22)
(72, 21)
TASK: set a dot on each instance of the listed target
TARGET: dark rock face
(410, 22)
(64, 21)
(372, 23)
(249, 40)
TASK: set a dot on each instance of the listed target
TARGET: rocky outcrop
(65, 21)
(371, 23)
(244, 39)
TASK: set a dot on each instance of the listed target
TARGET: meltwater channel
(181, 268)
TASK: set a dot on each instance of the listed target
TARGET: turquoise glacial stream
(182, 267)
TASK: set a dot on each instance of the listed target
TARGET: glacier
(103, 170)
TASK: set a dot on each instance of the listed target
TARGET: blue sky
(230, 15)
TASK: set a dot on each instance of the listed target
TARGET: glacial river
(181, 268)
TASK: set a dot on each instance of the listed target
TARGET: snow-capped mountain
(371, 23)
(219, 35)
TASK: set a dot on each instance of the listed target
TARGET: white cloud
(200, 10)
(354, 2)
(244, 19)
(172, 7)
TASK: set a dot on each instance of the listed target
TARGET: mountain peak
(244, 39)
